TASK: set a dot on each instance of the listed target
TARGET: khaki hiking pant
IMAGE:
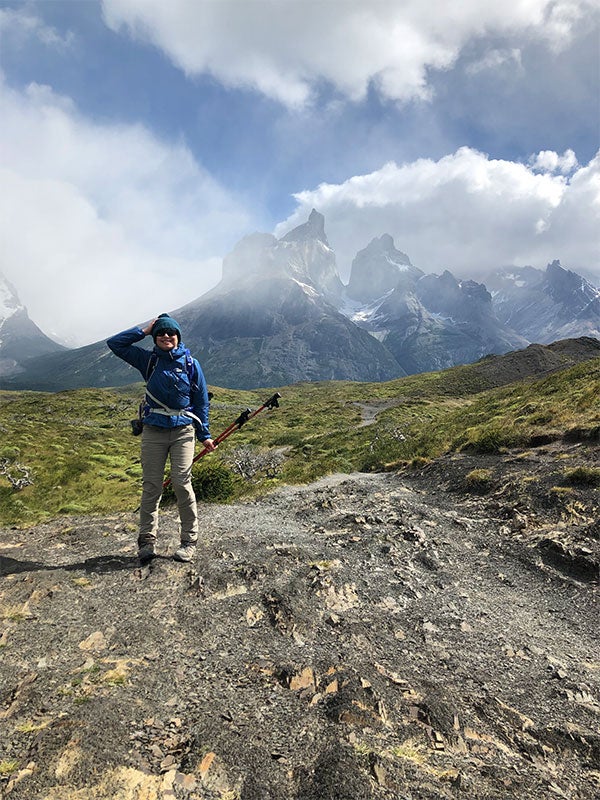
(157, 445)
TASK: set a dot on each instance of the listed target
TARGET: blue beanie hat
(165, 323)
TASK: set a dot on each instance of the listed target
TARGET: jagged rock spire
(313, 229)
(378, 268)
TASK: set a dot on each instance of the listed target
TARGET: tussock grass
(583, 476)
(83, 459)
(479, 480)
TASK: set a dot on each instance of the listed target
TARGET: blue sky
(142, 140)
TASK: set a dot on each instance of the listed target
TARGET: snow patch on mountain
(367, 315)
(9, 302)
(308, 290)
(401, 265)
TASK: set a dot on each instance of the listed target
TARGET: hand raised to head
(148, 329)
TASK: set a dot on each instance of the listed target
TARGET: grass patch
(32, 727)
(8, 766)
(83, 582)
(410, 751)
(492, 439)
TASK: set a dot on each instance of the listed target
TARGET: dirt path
(368, 636)
(369, 411)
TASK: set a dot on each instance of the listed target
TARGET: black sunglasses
(167, 332)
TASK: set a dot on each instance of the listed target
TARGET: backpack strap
(190, 368)
(192, 372)
(151, 365)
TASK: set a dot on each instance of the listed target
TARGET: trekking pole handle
(272, 402)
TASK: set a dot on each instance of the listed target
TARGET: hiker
(175, 410)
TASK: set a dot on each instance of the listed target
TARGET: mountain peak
(384, 244)
(252, 255)
(566, 304)
(378, 268)
(313, 229)
(9, 300)
(20, 338)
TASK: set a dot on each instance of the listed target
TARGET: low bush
(213, 482)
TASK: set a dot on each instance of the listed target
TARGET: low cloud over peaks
(465, 212)
(103, 216)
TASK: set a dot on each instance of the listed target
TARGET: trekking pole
(243, 418)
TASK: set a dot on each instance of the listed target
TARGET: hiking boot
(186, 552)
(146, 552)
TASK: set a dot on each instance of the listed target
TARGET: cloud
(464, 212)
(549, 161)
(103, 225)
(22, 25)
(286, 50)
(494, 59)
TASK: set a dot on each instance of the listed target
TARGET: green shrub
(213, 482)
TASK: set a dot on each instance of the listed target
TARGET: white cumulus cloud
(103, 225)
(465, 212)
(285, 49)
(549, 161)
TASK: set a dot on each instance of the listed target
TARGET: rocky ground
(427, 634)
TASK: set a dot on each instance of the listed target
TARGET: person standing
(175, 412)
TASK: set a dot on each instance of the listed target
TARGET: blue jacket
(169, 382)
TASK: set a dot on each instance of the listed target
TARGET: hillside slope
(77, 449)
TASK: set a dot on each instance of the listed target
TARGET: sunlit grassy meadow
(77, 448)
